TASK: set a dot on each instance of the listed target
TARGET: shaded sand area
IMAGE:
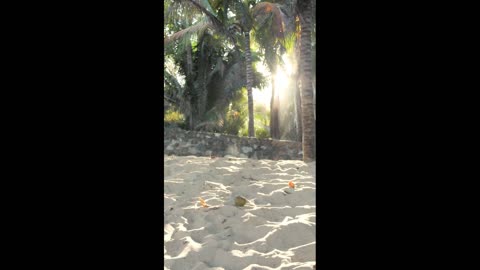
(275, 229)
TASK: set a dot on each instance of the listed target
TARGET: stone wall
(184, 143)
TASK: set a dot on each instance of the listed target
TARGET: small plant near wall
(262, 133)
(173, 118)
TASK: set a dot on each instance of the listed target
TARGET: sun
(281, 79)
(281, 82)
(263, 96)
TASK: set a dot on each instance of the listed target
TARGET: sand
(275, 229)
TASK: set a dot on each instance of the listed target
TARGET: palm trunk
(308, 122)
(274, 119)
(276, 105)
(203, 95)
(272, 112)
(201, 86)
(314, 98)
(248, 64)
(298, 99)
(314, 115)
(191, 121)
(298, 113)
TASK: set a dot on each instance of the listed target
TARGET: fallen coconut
(240, 201)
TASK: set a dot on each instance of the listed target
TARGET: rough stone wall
(184, 143)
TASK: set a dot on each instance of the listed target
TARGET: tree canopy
(214, 51)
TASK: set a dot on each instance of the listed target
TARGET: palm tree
(269, 34)
(185, 11)
(213, 80)
(245, 23)
(248, 64)
(308, 118)
(216, 20)
(290, 11)
(266, 21)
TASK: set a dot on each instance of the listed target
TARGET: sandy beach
(205, 229)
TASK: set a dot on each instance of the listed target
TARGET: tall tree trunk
(314, 98)
(191, 119)
(191, 123)
(308, 122)
(298, 112)
(298, 100)
(192, 126)
(274, 119)
(276, 105)
(202, 102)
(248, 64)
(272, 112)
(201, 91)
(314, 114)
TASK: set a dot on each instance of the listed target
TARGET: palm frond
(216, 24)
(172, 82)
(289, 42)
(213, 120)
(178, 11)
(197, 29)
(234, 78)
(243, 15)
(219, 69)
(270, 9)
(206, 9)
(175, 94)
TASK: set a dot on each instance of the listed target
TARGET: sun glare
(282, 81)
(264, 95)
(282, 77)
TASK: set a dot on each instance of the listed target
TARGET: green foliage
(173, 117)
(262, 133)
(237, 114)
(235, 121)
(243, 132)
(262, 122)
(206, 41)
(262, 119)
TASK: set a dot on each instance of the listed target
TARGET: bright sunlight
(264, 95)
(282, 81)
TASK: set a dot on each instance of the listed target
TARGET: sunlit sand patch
(277, 213)
(231, 168)
(273, 230)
